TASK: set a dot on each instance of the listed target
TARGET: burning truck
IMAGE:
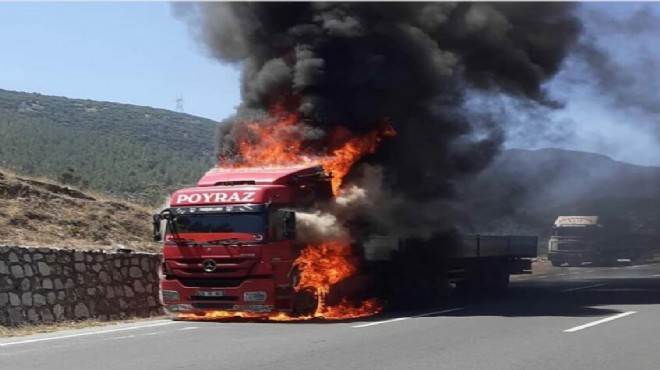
(253, 241)
(231, 250)
(335, 177)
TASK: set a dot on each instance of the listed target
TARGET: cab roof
(261, 176)
(576, 221)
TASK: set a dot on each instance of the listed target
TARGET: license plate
(210, 293)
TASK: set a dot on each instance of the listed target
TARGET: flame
(281, 144)
(342, 311)
(327, 264)
(223, 315)
(324, 265)
(350, 149)
(347, 310)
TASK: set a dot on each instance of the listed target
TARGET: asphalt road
(560, 318)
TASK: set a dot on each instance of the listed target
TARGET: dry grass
(40, 212)
(31, 329)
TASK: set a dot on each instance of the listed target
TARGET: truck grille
(225, 267)
(194, 261)
(210, 283)
(214, 299)
(571, 247)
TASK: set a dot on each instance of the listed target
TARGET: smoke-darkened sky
(415, 65)
(590, 83)
(139, 53)
(610, 86)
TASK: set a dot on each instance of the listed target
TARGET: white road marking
(583, 287)
(561, 274)
(124, 337)
(85, 334)
(147, 334)
(624, 314)
(657, 275)
(590, 271)
(188, 328)
(406, 318)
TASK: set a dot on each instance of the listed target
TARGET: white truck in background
(578, 239)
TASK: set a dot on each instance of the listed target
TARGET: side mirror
(166, 214)
(157, 236)
(289, 220)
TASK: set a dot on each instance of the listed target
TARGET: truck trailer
(578, 239)
(230, 244)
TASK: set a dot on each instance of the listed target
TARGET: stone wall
(43, 285)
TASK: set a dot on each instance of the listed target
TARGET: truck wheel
(499, 279)
(306, 302)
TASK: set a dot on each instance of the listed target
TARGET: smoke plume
(626, 77)
(317, 227)
(414, 64)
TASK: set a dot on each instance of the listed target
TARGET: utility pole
(179, 104)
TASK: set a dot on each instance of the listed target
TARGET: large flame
(281, 143)
(324, 265)
(327, 264)
(351, 148)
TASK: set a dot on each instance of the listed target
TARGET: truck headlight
(254, 296)
(170, 295)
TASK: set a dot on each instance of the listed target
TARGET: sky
(615, 110)
(140, 53)
(135, 53)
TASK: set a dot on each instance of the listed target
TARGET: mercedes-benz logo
(208, 265)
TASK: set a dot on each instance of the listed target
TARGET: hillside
(525, 190)
(138, 153)
(39, 212)
(142, 154)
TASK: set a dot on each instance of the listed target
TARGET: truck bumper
(570, 257)
(255, 295)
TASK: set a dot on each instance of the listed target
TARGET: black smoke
(353, 64)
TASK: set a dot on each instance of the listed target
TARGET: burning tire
(306, 301)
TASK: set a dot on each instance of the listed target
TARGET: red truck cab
(229, 244)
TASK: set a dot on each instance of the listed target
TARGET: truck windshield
(253, 223)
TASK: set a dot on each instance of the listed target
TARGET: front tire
(306, 301)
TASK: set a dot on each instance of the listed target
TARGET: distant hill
(135, 152)
(40, 212)
(142, 154)
(525, 190)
